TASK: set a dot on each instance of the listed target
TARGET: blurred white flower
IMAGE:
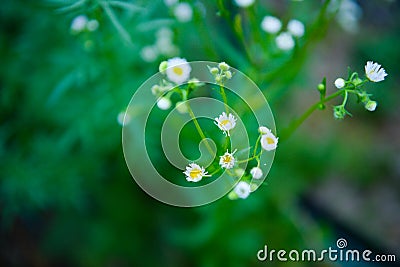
(163, 103)
(340, 83)
(269, 141)
(164, 32)
(263, 130)
(183, 12)
(242, 189)
(149, 53)
(371, 105)
(178, 70)
(285, 41)
(226, 122)
(244, 3)
(374, 72)
(223, 66)
(348, 14)
(79, 23)
(195, 173)
(256, 172)
(227, 160)
(271, 24)
(170, 2)
(296, 28)
(123, 118)
(92, 25)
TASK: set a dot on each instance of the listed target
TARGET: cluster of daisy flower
(177, 80)
(285, 40)
(353, 85)
(81, 23)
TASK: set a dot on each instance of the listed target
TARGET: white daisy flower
(226, 122)
(285, 41)
(195, 173)
(371, 105)
(79, 23)
(256, 172)
(340, 83)
(178, 70)
(163, 103)
(263, 130)
(244, 3)
(296, 28)
(227, 160)
(242, 189)
(269, 141)
(374, 72)
(183, 12)
(271, 24)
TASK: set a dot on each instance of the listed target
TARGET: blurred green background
(66, 195)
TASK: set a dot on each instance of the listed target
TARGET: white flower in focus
(163, 103)
(226, 122)
(195, 173)
(92, 25)
(227, 160)
(183, 12)
(296, 28)
(178, 70)
(79, 23)
(244, 3)
(285, 41)
(256, 172)
(263, 130)
(374, 72)
(340, 83)
(149, 53)
(371, 105)
(269, 141)
(242, 189)
(271, 24)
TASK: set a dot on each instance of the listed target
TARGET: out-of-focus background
(68, 68)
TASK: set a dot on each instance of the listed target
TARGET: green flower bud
(321, 87)
(357, 81)
(163, 67)
(232, 195)
(214, 71)
(223, 66)
(155, 89)
(228, 74)
(218, 78)
(339, 112)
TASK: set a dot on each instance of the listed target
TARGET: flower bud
(223, 66)
(340, 83)
(228, 74)
(357, 81)
(163, 67)
(214, 71)
(339, 112)
(371, 105)
(263, 130)
(321, 87)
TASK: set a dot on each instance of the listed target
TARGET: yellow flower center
(270, 141)
(225, 122)
(195, 173)
(177, 70)
(227, 159)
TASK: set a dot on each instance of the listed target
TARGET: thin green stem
(224, 98)
(246, 160)
(296, 123)
(199, 130)
(256, 145)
